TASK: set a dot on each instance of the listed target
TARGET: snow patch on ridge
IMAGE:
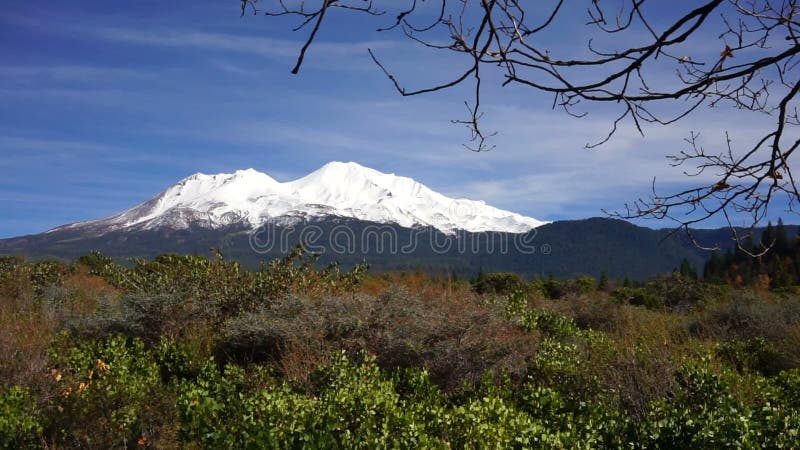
(340, 189)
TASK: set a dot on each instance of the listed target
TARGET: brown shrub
(745, 315)
(764, 327)
(26, 331)
(640, 352)
(650, 347)
(449, 330)
(457, 337)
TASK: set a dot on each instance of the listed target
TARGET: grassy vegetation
(188, 352)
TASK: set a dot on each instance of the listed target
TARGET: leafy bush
(637, 297)
(571, 424)
(502, 283)
(707, 413)
(754, 354)
(110, 394)
(355, 408)
(225, 284)
(190, 352)
(19, 419)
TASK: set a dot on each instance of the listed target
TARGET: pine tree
(479, 284)
(687, 270)
(781, 272)
(768, 236)
(745, 265)
(781, 240)
(602, 284)
(714, 268)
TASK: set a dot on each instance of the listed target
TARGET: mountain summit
(337, 189)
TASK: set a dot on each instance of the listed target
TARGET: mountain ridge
(337, 189)
(562, 248)
(227, 211)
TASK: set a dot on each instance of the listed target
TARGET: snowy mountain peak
(337, 189)
(341, 165)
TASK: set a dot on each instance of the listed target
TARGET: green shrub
(109, 394)
(637, 297)
(549, 323)
(550, 288)
(177, 360)
(9, 263)
(354, 408)
(575, 424)
(501, 283)
(19, 419)
(756, 354)
(293, 363)
(707, 413)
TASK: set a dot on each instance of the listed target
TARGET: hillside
(561, 249)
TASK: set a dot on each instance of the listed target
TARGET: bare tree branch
(737, 53)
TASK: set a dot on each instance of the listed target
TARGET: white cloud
(70, 72)
(239, 43)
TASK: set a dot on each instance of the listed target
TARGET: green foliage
(491, 422)
(571, 424)
(585, 284)
(636, 297)
(555, 289)
(189, 352)
(676, 292)
(707, 413)
(355, 408)
(547, 322)
(602, 283)
(19, 420)
(789, 384)
(176, 295)
(45, 274)
(9, 263)
(176, 360)
(502, 283)
(687, 269)
(108, 391)
(16, 276)
(101, 265)
(756, 354)
(225, 285)
(362, 408)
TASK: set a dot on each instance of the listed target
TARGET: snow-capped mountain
(337, 189)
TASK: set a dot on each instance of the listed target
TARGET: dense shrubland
(189, 352)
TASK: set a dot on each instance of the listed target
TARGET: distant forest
(772, 261)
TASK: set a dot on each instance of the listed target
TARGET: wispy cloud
(239, 43)
(16, 143)
(70, 72)
(18, 151)
(111, 107)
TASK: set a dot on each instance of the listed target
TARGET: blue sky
(105, 104)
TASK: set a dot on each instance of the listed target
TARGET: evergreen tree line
(778, 267)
